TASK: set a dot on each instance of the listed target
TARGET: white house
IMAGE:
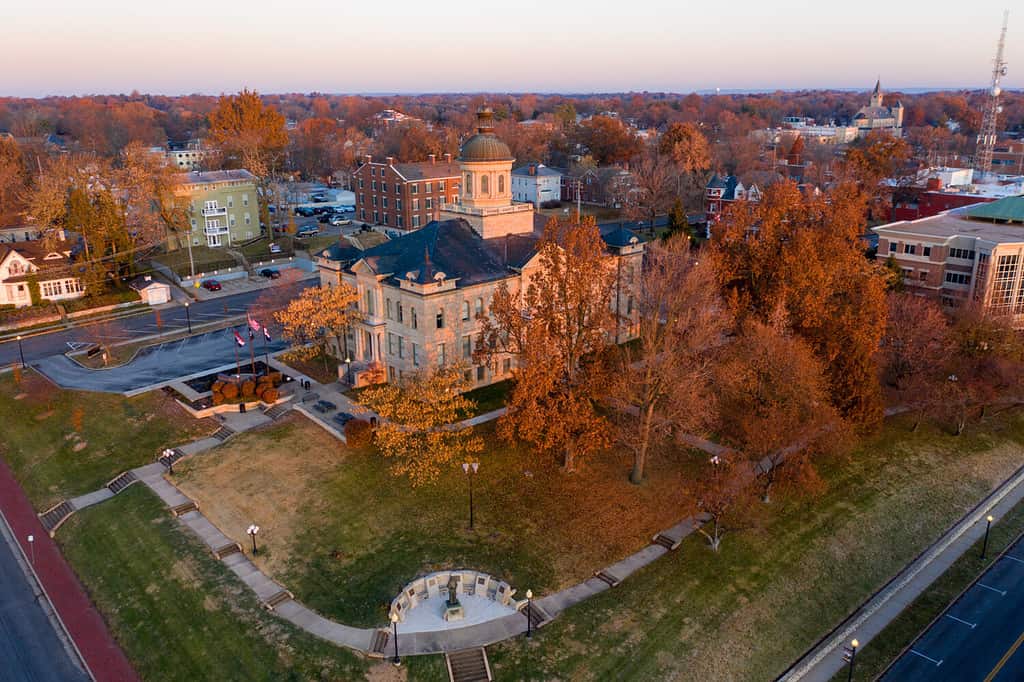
(153, 292)
(536, 183)
(23, 262)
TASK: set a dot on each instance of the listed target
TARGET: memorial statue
(453, 590)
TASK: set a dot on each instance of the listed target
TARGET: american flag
(266, 334)
(253, 324)
(239, 340)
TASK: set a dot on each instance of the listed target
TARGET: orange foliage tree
(556, 329)
(806, 254)
(661, 381)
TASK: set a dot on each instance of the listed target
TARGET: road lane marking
(1013, 558)
(1002, 661)
(961, 620)
(1002, 592)
(927, 658)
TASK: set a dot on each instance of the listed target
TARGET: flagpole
(252, 352)
(238, 368)
(266, 350)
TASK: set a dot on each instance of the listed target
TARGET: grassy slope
(120, 433)
(876, 654)
(747, 612)
(180, 614)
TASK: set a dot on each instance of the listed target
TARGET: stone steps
(468, 665)
(171, 459)
(379, 642)
(537, 616)
(277, 599)
(121, 482)
(667, 542)
(606, 577)
(184, 508)
(56, 515)
(223, 433)
(277, 410)
(227, 550)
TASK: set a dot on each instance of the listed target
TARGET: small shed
(152, 291)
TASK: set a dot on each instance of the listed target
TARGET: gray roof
(539, 170)
(203, 177)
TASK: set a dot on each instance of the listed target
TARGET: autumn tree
(608, 140)
(874, 160)
(721, 498)
(654, 188)
(319, 315)
(915, 353)
(13, 181)
(774, 403)
(661, 383)
(251, 135)
(687, 148)
(418, 429)
(805, 253)
(555, 329)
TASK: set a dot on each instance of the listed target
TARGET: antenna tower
(987, 135)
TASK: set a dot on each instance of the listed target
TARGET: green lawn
(876, 654)
(259, 250)
(749, 611)
(178, 613)
(206, 259)
(490, 398)
(66, 443)
(315, 244)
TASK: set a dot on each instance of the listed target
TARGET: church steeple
(876, 95)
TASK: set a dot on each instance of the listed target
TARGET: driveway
(979, 637)
(158, 365)
(29, 648)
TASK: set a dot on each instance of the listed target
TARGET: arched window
(469, 184)
(501, 184)
(484, 189)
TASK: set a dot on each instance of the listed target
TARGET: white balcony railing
(216, 229)
(218, 210)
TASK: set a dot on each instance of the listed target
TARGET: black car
(324, 406)
(270, 273)
(305, 211)
(343, 418)
(320, 210)
(325, 217)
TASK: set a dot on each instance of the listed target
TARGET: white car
(308, 231)
(337, 221)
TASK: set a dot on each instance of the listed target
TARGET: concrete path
(825, 659)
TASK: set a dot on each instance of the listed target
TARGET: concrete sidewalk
(825, 659)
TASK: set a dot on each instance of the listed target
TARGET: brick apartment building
(405, 196)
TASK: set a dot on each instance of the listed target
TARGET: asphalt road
(980, 637)
(29, 648)
(129, 328)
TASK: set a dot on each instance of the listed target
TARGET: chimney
(433, 159)
(934, 184)
(367, 158)
(533, 169)
(448, 158)
(390, 160)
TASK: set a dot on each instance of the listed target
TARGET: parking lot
(979, 637)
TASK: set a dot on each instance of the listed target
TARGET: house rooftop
(209, 177)
(969, 221)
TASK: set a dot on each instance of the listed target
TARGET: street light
(188, 317)
(168, 455)
(348, 366)
(988, 527)
(394, 634)
(252, 530)
(32, 548)
(21, 352)
(529, 613)
(470, 469)
(853, 654)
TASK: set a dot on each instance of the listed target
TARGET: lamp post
(988, 527)
(168, 454)
(853, 654)
(252, 530)
(470, 469)
(32, 548)
(348, 367)
(529, 613)
(21, 352)
(394, 634)
(188, 318)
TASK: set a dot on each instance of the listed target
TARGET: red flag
(239, 340)
(253, 324)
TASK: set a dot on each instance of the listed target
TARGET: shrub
(359, 433)
(248, 389)
(218, 398)
(261, 389)
(270, 395)
(217, 386)
(230, 391)
(275, 378)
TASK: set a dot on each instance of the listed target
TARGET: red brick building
(405, 196)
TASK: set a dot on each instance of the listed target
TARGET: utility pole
(988, 133)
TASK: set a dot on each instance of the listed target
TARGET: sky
(409, 46)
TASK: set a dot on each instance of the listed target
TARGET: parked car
(211, 285)
(317, 198)
(305, 211)
(308, 231)
(320, 210)
(347, 209)
(343, 418)
(324, 217)
(338, 220)
(275, 248)
(324, 406)
(270, 273)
